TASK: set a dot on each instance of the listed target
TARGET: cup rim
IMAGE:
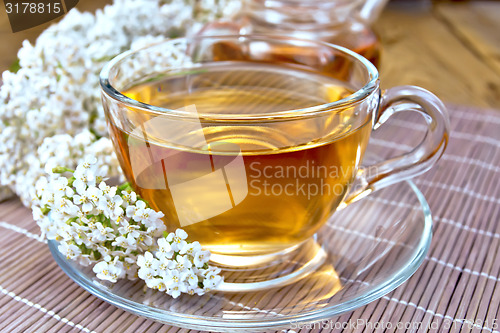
(312, 111)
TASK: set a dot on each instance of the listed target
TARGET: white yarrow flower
(129, 197)
(190, 277)
(70, 251)
(147, 261)
(178, 239)
(83, 200)
(110, 271)
(51, 115)
(94, 194)
(102, 233)
(200, 258)
(165, 250)
(84, 179)
(111, 206)
(189, 248)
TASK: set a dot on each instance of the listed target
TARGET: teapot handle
(371, 9)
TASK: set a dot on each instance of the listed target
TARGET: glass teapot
(343, 22)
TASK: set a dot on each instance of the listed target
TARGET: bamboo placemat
(457, 286)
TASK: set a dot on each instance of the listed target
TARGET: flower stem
(61, 169)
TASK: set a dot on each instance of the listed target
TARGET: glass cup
(252, 152)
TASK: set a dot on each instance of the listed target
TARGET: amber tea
(251, 143)
(240, 188)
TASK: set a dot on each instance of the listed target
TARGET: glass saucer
(371, 247)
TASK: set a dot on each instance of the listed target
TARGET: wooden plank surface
(451, 49)
(484, 38)
(455, 58)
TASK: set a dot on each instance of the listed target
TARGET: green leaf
(71, 181)
(15, 66)
(97, 255)
(72, 219)
(84, 249)
(125, 187)
(45, 210)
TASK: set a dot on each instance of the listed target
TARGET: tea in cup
(251, 156)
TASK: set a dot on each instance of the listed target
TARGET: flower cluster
(178, 267)
(116, 232)
(50, 109)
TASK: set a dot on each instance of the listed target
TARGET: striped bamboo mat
(457, 286)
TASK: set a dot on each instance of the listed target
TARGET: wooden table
(452, 49)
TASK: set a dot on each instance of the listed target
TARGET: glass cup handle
(402, 99)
